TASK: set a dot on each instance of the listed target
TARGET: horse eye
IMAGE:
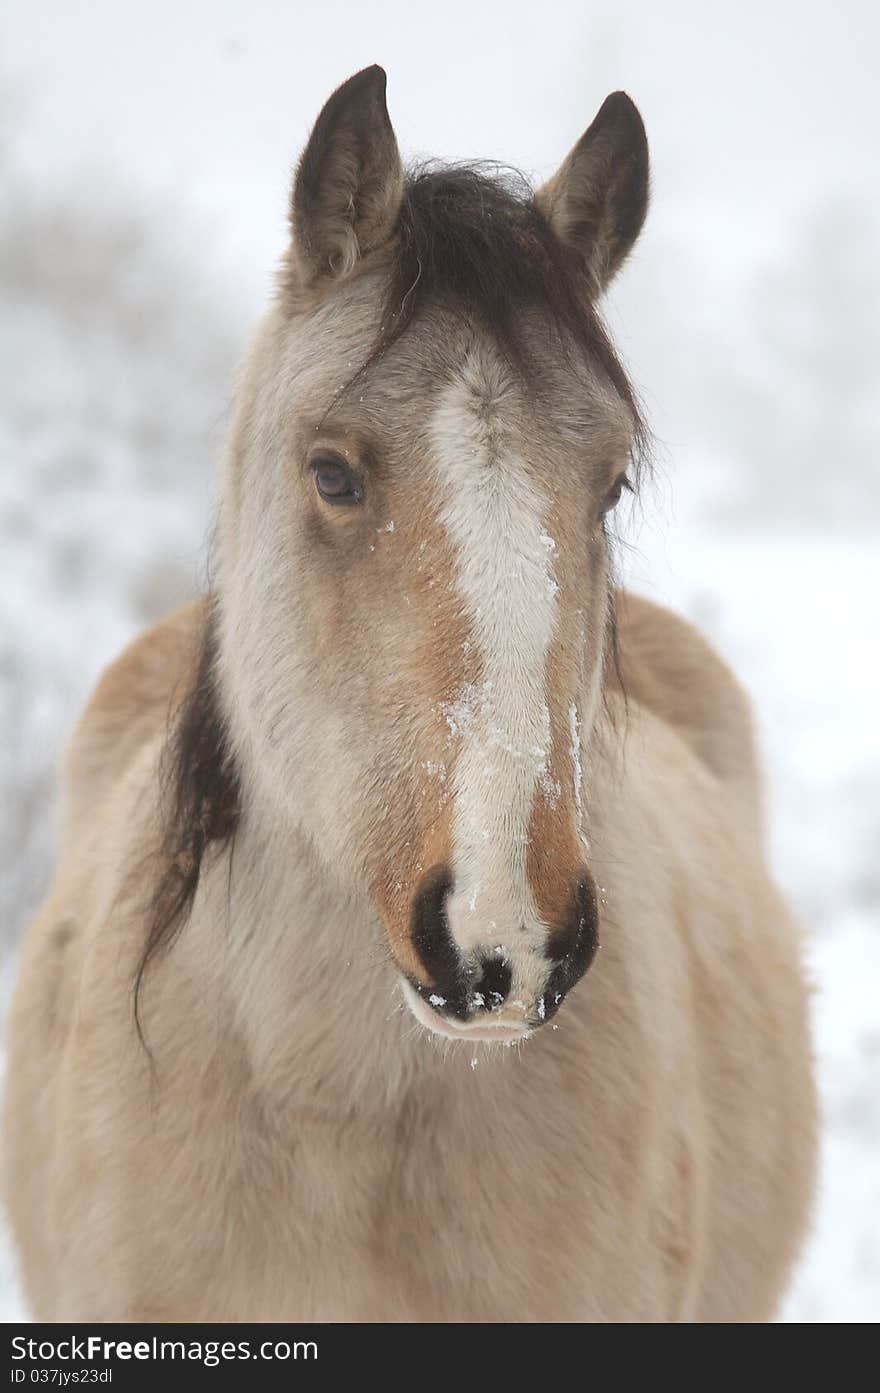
(614, 494)
(334, 480)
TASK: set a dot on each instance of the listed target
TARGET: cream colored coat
(303, 1153)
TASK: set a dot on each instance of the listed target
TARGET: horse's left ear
(597, 201)
(349, 184)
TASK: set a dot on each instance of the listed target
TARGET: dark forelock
(476, 243)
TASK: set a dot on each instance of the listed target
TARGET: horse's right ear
(349, 185)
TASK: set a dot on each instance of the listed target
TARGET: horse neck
(304, 972)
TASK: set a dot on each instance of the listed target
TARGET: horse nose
(459, 987)
(469, 985)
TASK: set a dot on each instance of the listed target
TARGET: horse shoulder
(667, 666)
(700, 952)
(129, 707)
(66, 1054)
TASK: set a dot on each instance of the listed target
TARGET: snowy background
(145, 154)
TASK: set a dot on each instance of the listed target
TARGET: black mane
(200, 803)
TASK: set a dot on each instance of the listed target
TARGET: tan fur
(684, 1172)
(687, 684)
(134, 699)
(295, 1146)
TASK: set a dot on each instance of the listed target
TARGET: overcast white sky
(752, 109)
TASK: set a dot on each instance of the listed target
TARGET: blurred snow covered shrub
(116, 361)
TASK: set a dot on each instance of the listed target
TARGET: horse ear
(597, 200)
(349, 184)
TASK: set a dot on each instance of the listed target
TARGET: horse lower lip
(488, 1030)
(501, 1031)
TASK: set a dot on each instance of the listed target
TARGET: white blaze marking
(494, 515)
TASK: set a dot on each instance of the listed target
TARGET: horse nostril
(493, 986)
(436, 947)
(571, 947)
(551, 1001)
(431, 937)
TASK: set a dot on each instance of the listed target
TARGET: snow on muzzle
(516, 979)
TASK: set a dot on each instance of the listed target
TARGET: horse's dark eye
(614, 494)
(334, 480)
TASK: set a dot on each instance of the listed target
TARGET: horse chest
(457, 1223)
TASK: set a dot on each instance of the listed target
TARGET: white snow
(137, 246)
(574, 729)
(550, 787)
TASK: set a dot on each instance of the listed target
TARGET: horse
(412, 954)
